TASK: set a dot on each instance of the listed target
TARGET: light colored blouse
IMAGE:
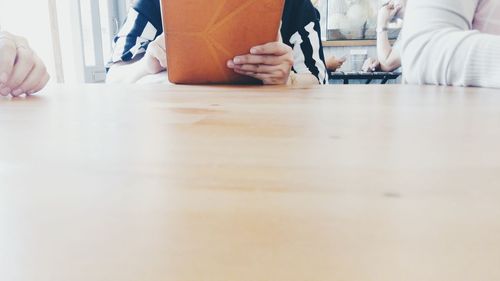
(487, 17)
(452, 42)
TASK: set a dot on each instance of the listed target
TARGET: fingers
(367, 64)
(368, 68)
(276, 71)
(156, 56)
(370, 65)
(273, 53)
(390, 4)
(273, 48)
(21, 70)
(394, 11)
(260, 59)
(25, 62)
(7, 56)
(267, 79)
(160, 41)
(159, 54)
(259, 68)
(274, 76)
(365, 67)
(335, 63)
(271, 63)
(159, 50)
(43, 82)
(36, 78)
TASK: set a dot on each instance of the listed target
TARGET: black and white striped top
(300, 30)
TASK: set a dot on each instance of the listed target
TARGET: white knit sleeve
(440, 47)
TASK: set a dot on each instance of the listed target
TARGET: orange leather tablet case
(202, 35)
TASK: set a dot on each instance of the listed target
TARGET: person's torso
(487, 17)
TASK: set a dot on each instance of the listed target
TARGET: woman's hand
(335, 63)
(371, 65)
(155, 59)
(152, 62)
(386, 13)
(21, 70)
(271, 63)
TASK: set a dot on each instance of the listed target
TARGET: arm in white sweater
(440, 47)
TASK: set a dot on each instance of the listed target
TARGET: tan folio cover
(202, 35)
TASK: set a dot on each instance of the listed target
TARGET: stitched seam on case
(231, 15)
(216, 14)
(219, 46)
(215, 57)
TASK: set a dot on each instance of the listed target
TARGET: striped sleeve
(306, 43)
(137, 32)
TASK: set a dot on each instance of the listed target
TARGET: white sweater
(452, 42)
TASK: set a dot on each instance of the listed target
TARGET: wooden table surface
(160, 183)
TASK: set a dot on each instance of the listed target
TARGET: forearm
(387, 56)
(383, 47)
(440, 47)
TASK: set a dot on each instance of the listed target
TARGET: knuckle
(39, 65)
(259, 59)
(7, 45)
(30, 63)
(27, 86)
(242, 59)
(39, 72)
(27, 56)
(8, 51)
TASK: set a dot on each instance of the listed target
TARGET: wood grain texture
(218, 183)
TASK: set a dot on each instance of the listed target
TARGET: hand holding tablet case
(202, 35)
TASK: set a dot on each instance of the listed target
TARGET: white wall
(29, 18)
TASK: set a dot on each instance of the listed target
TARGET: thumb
(155, 58)
(160, 41)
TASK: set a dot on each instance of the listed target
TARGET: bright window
(74, 40)
(351, 19)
